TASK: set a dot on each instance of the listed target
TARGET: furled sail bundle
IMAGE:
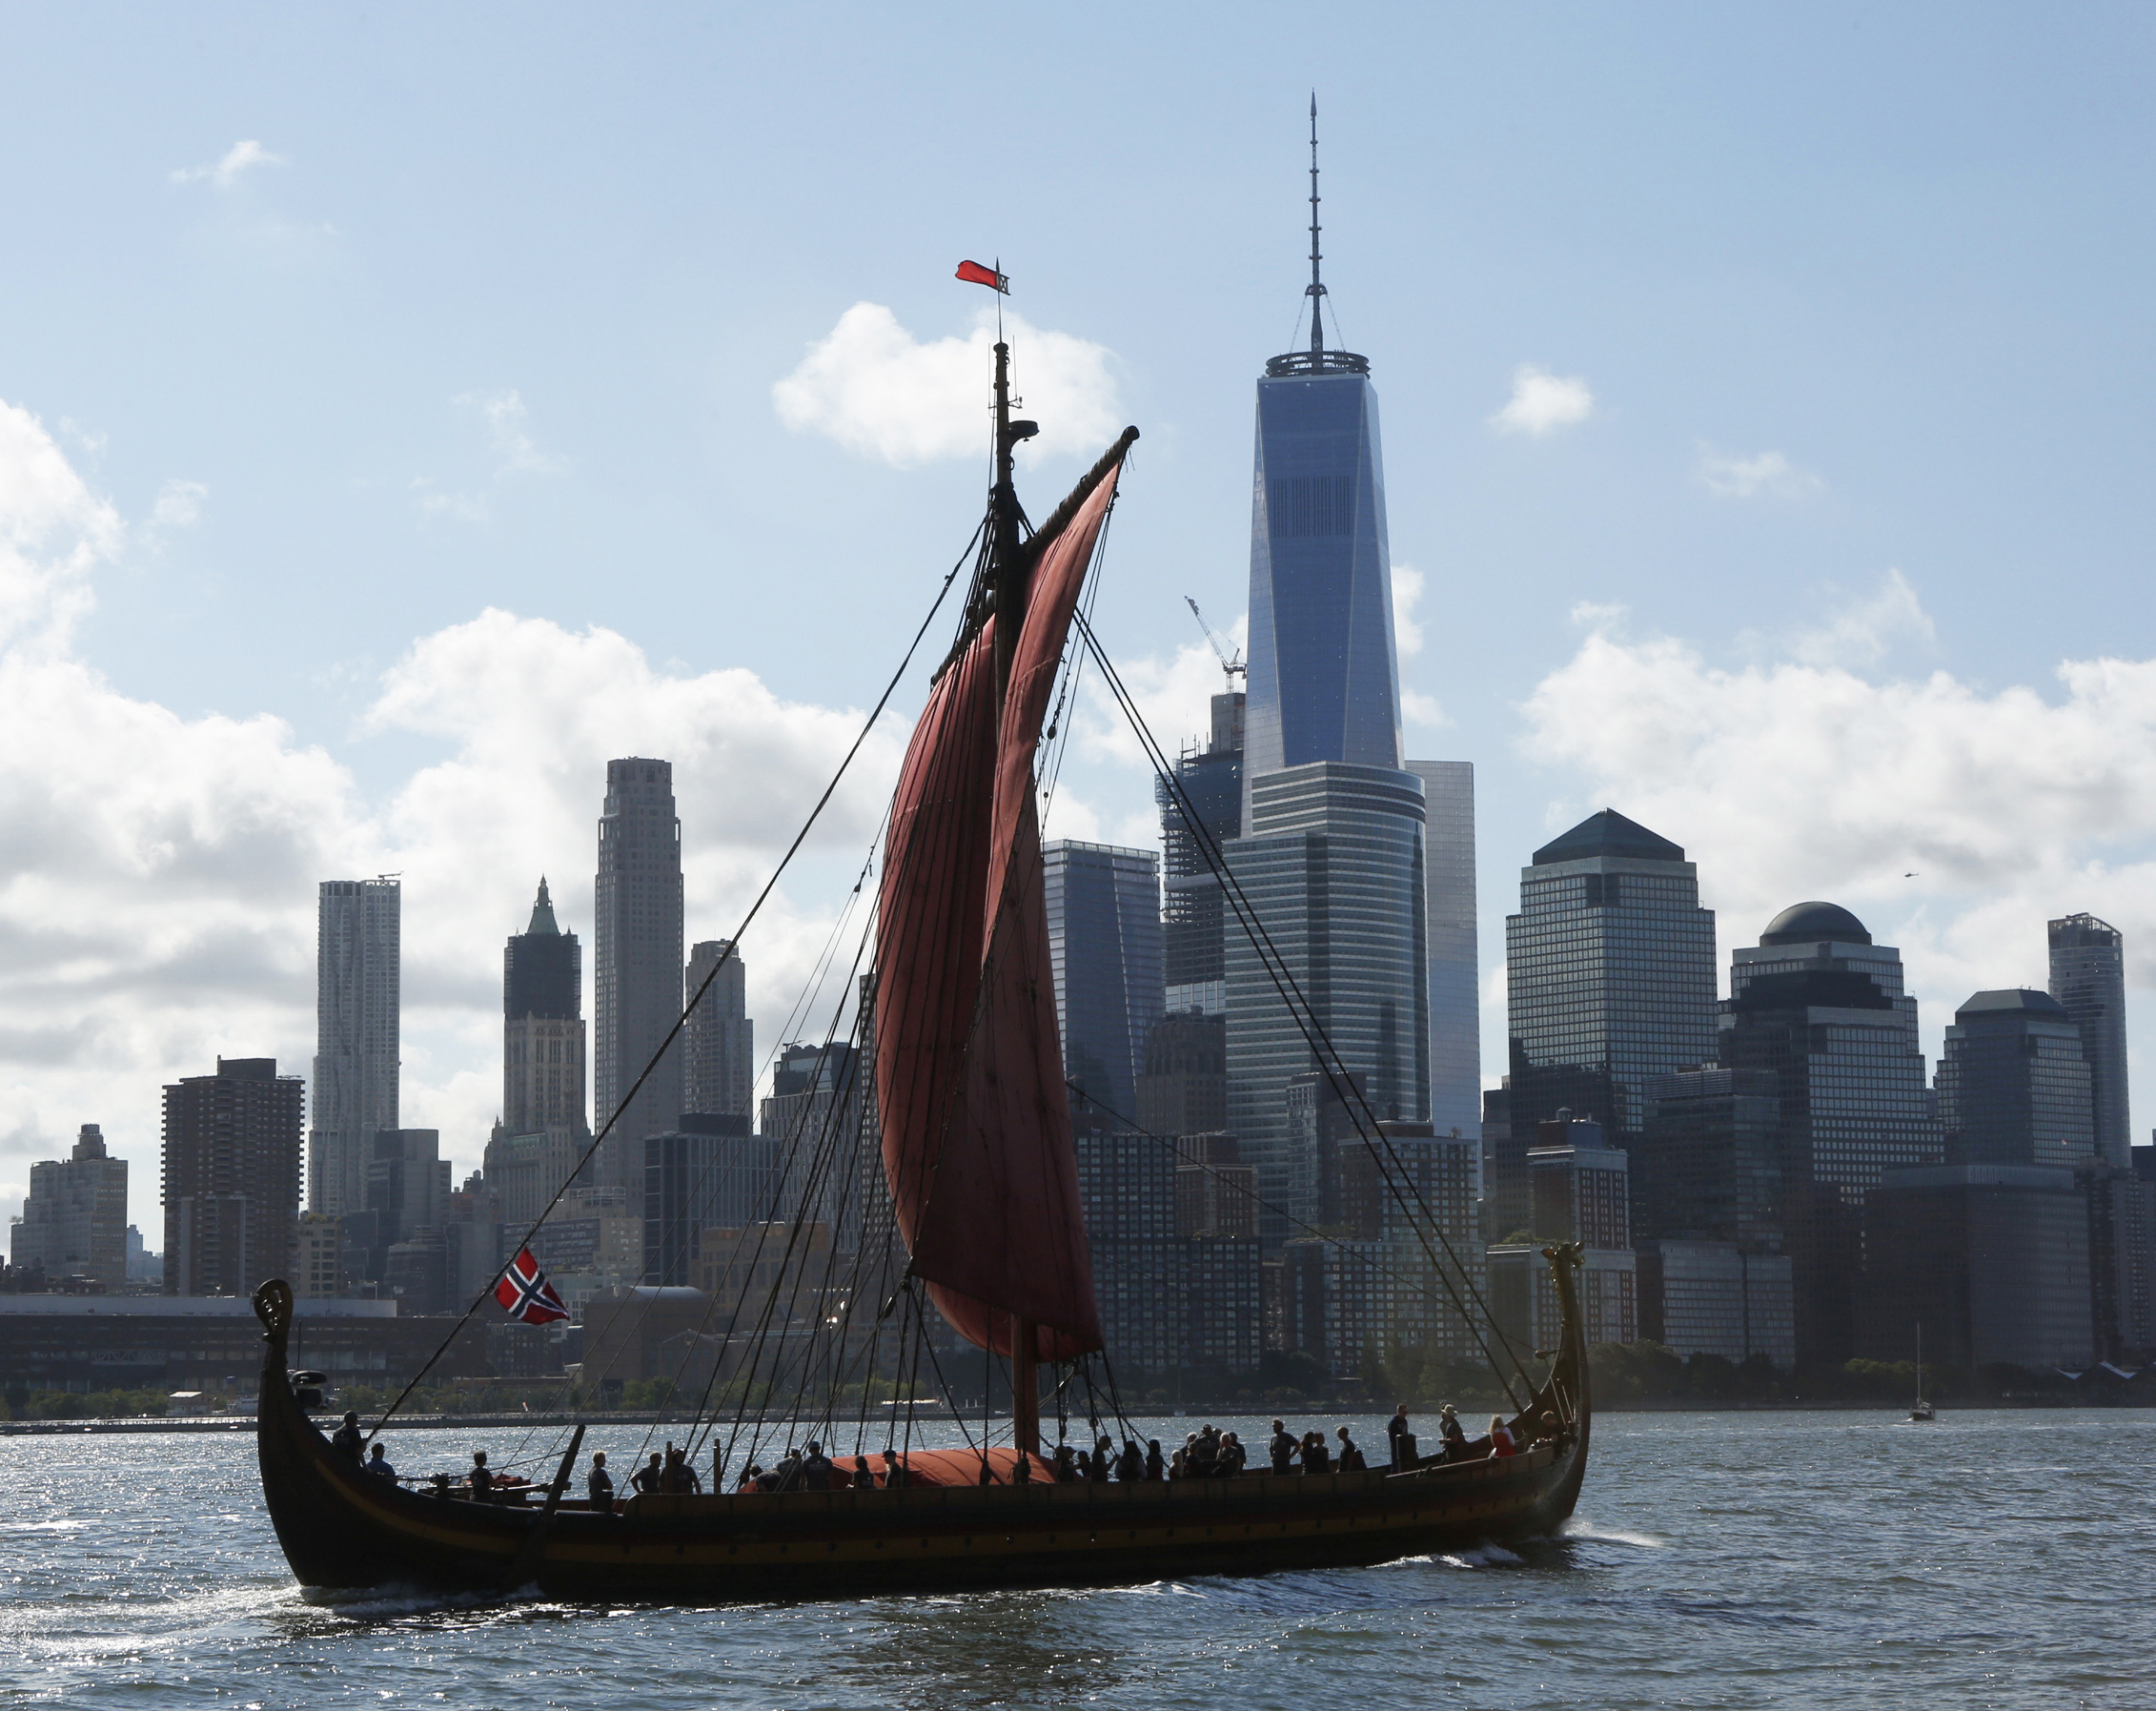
(976, 1124)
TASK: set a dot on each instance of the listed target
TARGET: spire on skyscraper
(543, 912)
(1316, 360)
(1316, 293)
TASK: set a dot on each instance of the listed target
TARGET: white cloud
(1770, 474)
(157, 873)
(1407, 595)
(1542, 402)
(881, 393)
(225, 172)
(1418, 708)
(178, 505)
(1792, 779)
(514, 448)
(1862, 632)
(453, 507)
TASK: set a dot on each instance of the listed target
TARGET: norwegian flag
(525, 1292)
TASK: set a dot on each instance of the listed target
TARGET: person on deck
(786, 1476)
(482, 1478)
(1351, 1456)
(1065, 1464)
(863, 1478)
(1205, 1453)
(1156, 1469)
(1232, 1457)
(1501, 1439)
(1104, 1457)
(752, 1478)
(1130, 1465)
(348, 1440)
(379, 1466)
(1451, 1434)
(1317, 1458)
(815, 1469)
(1397, 1429)
(645, 1481)
(1282, 1449)
(598, 1484)
(1179, 1464)
(895, 1475)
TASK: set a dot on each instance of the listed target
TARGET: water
(1724, 1561)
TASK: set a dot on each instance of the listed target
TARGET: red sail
(976, 1123)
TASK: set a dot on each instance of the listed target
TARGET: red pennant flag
(525, 1294)
(974, 274)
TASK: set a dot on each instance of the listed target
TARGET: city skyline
(466, 793)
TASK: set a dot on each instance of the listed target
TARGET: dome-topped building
(1815, 924)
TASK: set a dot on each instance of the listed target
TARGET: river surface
(1718, 1559)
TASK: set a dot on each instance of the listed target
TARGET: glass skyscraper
(1332, 867)
(2013, 1087)
(1610, 966)
(1820, 1010)
(1207, 787)
(2089, 976)
(1324, 680)
(636, 989)
(1455, 987)
(1104, 944)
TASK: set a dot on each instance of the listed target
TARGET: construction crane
(1232, 665)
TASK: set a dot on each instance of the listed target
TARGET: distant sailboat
(1921, 1409)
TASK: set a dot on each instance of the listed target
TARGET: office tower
(1105, 946)
(74, 1221)
(231, 1145)
(812, 1121)
(1170, 1308)
(318, 1256)
(1580, 1190)
(637, 992)
(2013, 1087)
(1821, 1008)
(2089, 976)
(1324, 680)
(719, 1061)
(712, 1172)
(1332, 865)
(1207, 789)
(1610, 968)
(1706, 1199)
(357, 985)
(1991, 1259)
(1455, 985)
(1504, 1164)
(407, 1198)
(1183, 1087)
(2121, 1261)
(1216, 1192)
(542, 1025)
(143, 1266)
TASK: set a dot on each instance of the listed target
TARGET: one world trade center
(1333, 853)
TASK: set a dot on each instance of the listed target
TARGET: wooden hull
(340, 1527)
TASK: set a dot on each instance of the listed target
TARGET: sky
(404, 409)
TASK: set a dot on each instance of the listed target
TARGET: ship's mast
(1009, 572)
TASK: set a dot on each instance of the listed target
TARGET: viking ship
(976, 1191)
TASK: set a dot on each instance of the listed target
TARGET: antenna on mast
(1316, 293)
(1234, 667)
